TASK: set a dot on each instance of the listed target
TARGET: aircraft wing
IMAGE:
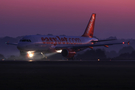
(103, 40)
(94, 45)
(90, 45)
(11, 43)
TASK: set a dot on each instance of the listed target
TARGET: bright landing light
(58, 51)
(30, 54)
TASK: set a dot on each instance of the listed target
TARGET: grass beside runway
(70, 74)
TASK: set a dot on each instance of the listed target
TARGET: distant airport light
(58, 51)
(123, 42)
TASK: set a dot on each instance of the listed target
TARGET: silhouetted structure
(2, 56)
(127, 49)
(111, 54)
(92, 55)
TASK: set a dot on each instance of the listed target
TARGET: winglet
(90, 27)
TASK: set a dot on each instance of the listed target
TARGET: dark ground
(90, 75)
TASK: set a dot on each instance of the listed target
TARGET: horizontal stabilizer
(104, 40)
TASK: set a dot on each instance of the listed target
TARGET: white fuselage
(47, 43)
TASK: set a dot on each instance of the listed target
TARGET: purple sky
(69, 17)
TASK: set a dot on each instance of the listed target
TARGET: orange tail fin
(90, 27)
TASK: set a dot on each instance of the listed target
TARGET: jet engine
(69, 53)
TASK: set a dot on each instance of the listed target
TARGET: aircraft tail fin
(90, 27)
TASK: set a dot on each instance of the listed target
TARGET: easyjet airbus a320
(66, 45)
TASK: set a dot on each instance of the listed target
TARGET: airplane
(68, 46)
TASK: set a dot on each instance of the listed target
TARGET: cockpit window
(25, 40)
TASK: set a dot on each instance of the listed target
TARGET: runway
(41, 75)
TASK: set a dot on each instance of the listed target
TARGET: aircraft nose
(20, 46)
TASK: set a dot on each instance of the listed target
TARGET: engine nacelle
(69, 53)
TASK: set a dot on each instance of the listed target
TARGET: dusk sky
(68, 17)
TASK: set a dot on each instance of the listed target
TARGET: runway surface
(90, 75)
